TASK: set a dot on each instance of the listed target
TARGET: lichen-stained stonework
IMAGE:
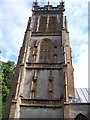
(43, 82)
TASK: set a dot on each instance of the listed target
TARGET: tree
(6, 73)
(1, 77)
(7, 69)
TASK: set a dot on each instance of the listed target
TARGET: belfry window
(42, 24)
(52, 26)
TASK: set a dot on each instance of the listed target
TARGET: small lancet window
(50, 85)
(32, 94)
(33, 89)
(34, 53)
(50, 94)
(33, 85)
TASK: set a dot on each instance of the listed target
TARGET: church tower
(43, 79)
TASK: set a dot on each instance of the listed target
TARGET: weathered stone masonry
(43, 83)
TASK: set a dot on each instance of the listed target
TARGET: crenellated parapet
(48, 8)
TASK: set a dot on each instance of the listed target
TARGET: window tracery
(46, 53)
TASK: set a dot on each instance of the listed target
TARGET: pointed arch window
(80, 117)
(46, 51)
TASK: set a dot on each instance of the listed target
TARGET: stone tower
(43, 79)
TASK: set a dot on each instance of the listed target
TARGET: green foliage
(6, 74)
(1, 77)
(0, 105)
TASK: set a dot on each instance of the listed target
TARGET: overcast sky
(13, 21)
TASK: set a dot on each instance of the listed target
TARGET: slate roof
(82, 95)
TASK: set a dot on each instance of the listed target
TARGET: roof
(82, 95)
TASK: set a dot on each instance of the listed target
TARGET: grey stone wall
(27, 83)
(73, 109)
(42, 83)
(36, 112)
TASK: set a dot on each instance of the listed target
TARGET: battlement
(48, 7)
